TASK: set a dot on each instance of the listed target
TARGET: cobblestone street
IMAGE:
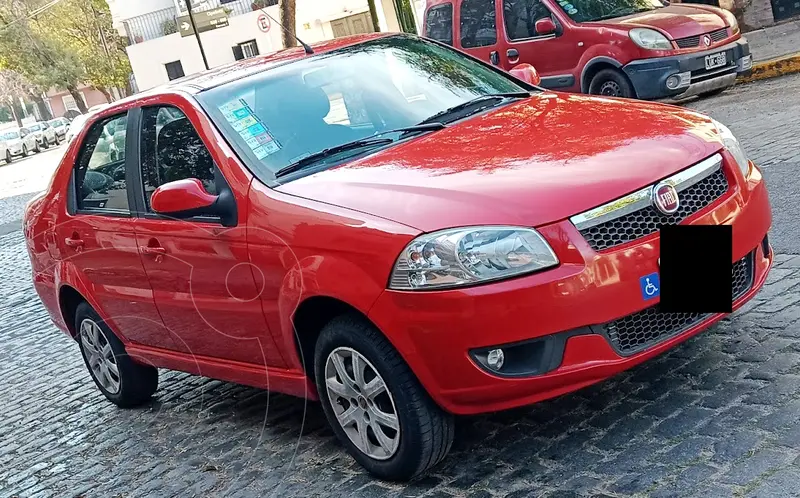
(716, 417)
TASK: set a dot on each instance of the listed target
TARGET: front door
(477, 30)
(98, 240)
(204, 285)
(555, 56)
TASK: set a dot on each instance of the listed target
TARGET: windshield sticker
(250, 128)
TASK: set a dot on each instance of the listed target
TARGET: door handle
(157, 251)
(494, 58)
(512, 53)
(74, 243)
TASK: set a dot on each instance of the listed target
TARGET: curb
(773, 68)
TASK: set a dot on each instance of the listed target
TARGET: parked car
(4, 152)
(45, 135)
(60, 126)
(19, 142)
(462, 243)
(647, 49)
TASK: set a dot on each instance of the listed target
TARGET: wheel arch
(594, 66)
(68, 300)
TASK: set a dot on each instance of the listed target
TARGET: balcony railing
(165, 21)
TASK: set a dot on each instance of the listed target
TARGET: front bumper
(15, 150)
(436, 331)
(649, 76)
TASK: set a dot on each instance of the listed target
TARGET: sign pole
(196, 33)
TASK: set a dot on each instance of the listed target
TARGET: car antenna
(305, 45)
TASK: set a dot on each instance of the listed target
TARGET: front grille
(689, 42)
(694, 41)
(719, 34)
(641, 330)
(645, 221)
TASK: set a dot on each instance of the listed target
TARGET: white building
(158, 52)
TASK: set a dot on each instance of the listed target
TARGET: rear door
(98, 240)
(477, 29)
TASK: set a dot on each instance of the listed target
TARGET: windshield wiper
(363, 143)
(480, 103)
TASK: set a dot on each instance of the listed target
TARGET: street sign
(205, 21)
(263, 23)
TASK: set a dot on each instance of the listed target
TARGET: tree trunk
(106, 93)
(78, 99)
(44, 111)
(288, 14)
(373, 13)
(16, 111)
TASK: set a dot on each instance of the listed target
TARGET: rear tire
(37, 149)
(611, 83)
(424, 431)
(123, 381)
(24, 150)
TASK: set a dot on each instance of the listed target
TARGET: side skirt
(292, 382)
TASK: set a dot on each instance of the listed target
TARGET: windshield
(278, 117)
(10, 135)
(55, 122)
(34, 127)
(594, 10)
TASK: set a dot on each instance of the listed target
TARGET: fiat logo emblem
(707, 41)
(665, 198)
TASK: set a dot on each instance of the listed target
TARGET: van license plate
(716, 60)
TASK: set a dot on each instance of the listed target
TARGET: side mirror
(545, 26)
(188, 198)
(526, 73)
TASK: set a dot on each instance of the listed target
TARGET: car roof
(197, 82)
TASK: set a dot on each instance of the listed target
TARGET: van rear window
(439, 23)
(478, 23)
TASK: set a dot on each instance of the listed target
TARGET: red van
(646, 49)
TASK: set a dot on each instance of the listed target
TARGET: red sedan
(387, 225)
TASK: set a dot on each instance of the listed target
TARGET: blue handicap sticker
(650, 286)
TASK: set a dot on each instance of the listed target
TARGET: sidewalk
(775, 50)
(774, 41)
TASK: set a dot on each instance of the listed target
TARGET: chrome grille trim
(643, 198)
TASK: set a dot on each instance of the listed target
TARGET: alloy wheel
(99, 356)
(363, 405)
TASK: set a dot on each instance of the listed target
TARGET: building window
(69, 103)
(245, 50)
(174, 70)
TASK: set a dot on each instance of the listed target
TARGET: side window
(100, 170)
(478, 26)
(172, 150)
(521, 16)
(439, 23)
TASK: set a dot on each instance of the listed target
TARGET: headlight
(465, 256)
(733, 147)
(649, 39)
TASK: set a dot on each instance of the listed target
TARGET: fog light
(495, 359)
(679, 80)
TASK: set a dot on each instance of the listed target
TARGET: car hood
(13, 142)
(677, 20)
(530, 163)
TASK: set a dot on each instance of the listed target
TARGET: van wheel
(611, 83)
(375, 404)
(123, 381)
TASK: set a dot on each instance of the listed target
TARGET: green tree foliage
(62, 46)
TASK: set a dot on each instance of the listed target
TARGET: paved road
(718, 416)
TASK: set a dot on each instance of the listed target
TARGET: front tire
(611, 83)
(123, 381)
(375, 404)
(8, 157)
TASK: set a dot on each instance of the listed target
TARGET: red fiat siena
(387, 225)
